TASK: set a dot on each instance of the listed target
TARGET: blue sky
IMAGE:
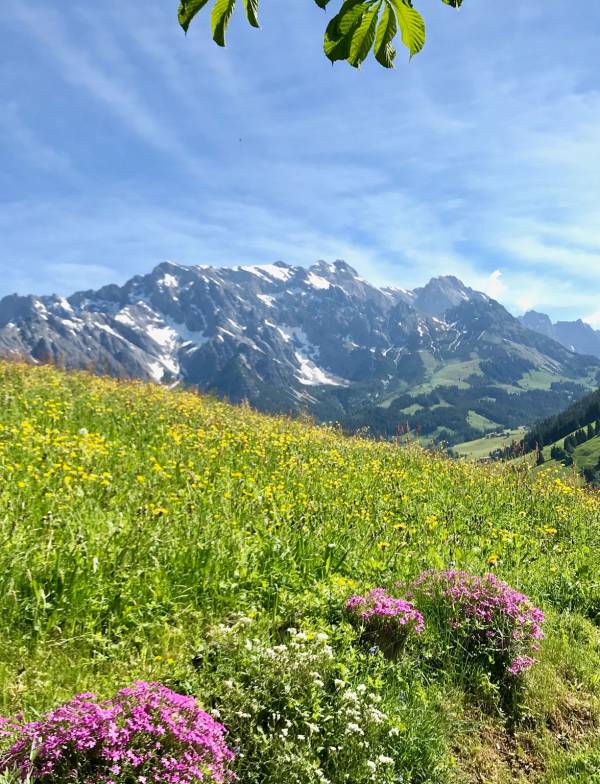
(124, 143)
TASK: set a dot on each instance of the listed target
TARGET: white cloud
(494, 286)
(108, 87)
(593, 319)
(29, 146)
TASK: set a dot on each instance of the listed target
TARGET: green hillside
(583, 461)
(481, 448)
(579, 414)
(157, 535)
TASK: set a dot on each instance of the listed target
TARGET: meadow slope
(159, 535)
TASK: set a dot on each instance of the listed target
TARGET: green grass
(161, 535)
(481, 447)
(480, 422)
(540, 379)
(450, 374)
(412, 409)
(586, 455)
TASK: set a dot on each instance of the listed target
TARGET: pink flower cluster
(146, 733)
(378, 609)
(489, 615)
(520, 664)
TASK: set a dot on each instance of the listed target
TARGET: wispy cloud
(19, 136)
(82, 69)
(478, 160)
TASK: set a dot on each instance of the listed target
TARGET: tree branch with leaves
(359, 27)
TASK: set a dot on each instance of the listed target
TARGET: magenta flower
(490, 620)
(385, 620)
(147, 733)
(520, 664)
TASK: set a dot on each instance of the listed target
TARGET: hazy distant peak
(577, 336)
(539, 322)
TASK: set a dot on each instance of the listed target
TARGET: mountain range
(574, 335)
(443, 359)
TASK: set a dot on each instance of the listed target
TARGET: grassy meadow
(480, 448)
(160, 535)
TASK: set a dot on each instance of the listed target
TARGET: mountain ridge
(444, 359)
(575, 335)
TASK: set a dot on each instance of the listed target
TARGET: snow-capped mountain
(322, 338)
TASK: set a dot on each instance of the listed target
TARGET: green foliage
(159, 535)
(580, 414)
(359, 27)
(11, 778)
(312, 707)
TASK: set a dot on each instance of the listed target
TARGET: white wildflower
(353, 728)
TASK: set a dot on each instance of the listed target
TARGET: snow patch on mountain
(318, 282)
(311, 375)
(266, 299)
(275, 271)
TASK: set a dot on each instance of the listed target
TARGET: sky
(124, 143)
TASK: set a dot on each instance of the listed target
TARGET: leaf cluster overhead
(358, 28)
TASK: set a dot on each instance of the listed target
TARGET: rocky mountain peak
(539, 322)
(442, 293)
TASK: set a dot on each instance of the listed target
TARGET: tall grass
(136, 520)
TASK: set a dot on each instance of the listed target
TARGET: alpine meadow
(299, 392)
(157, 536)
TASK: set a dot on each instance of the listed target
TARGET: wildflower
(520, 664)
(353, 728)
(494, 623)
(122, 736)
(386, 620)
